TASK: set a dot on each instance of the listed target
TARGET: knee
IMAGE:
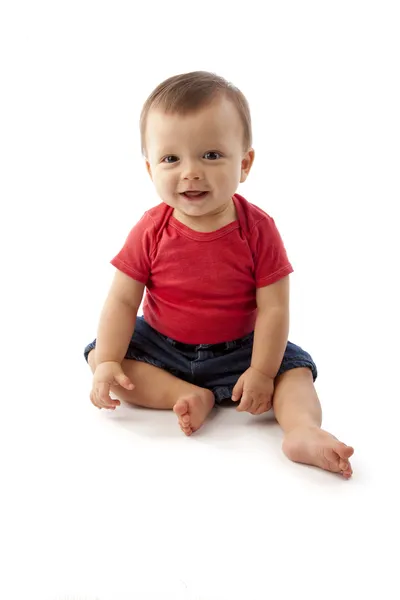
(92, 360)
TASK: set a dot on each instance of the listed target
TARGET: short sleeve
(269, 253)
(134, 259)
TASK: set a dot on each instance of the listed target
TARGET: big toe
(347, 451)
(181, 408)
(344, 452)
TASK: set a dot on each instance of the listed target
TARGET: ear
(247, 162)
(148, 167)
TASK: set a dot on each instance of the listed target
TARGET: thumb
(124, 381)
(237, 391)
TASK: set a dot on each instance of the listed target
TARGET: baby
(215, 318)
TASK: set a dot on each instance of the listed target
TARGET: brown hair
(191, 91)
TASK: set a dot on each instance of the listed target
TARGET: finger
(245, 403)
(264, 407)
(93, 400)
(112, 406)
(109, 403)
(97, 402)
(124, 381)
(259, 406)
(236, 394)
(254, 408)
(113, 403)
(103, 393)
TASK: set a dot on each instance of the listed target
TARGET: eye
(212, 155)
(170, 159)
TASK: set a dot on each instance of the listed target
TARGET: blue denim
(216, 367)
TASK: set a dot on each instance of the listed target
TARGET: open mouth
(194, 195)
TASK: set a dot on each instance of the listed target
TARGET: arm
(272, 327)
(118, 318)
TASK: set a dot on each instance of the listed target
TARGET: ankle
(301, 426)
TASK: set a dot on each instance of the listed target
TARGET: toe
(332, 460)
(347, 474)
(344, 451)
(348, 471)
(349, 451)
(181, 408)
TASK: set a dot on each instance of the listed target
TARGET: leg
(156, 388)
(298, 411)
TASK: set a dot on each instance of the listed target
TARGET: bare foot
(314, 446)
(192, 411)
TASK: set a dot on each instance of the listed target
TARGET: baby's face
(201, 153)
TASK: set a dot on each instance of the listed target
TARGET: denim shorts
(216, 367)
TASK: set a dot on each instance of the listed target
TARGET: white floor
(122, 506)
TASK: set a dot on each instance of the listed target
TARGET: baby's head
(196, 137)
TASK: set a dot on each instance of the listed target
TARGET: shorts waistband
(212, 347)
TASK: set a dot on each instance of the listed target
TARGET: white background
(122, 506)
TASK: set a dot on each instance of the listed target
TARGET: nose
(192, 170)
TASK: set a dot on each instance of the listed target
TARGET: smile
(194, 195)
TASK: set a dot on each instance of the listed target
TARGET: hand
(107, 374)
(255, 390)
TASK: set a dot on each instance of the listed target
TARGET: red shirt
(201, 287)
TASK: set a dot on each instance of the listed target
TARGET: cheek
(165, 181)
(229, 177)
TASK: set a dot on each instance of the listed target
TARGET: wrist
(104, 361)
(263, 370)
